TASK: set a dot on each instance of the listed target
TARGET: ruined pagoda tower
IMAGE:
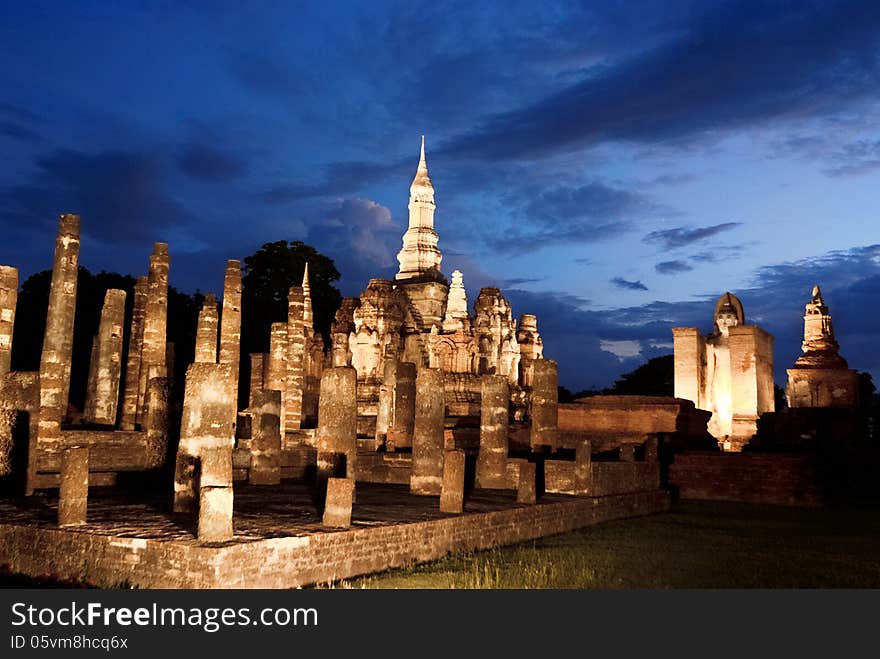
(396, 329)
(419, 275)
(820, 377)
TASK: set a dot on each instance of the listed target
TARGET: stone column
(385, 409)
(583, 467)
(130, 399)
(276, 370)
(337, 416)
(74, 494)
(492, 459)
(526, 486)
(230, 320)
(156, 421)
(400, 432)
(428, 446)
(296, 347)
(206, 331)
(8, 299)
(266, 438)
(545, 403)
(337, 505)
(259, 374)
(58, 339)
(153, 359)
(206, 422)
(8, 421)
(102, 396)
(215, 494)
(452, 493)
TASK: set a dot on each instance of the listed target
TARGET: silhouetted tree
(268, 275)
(654, 378)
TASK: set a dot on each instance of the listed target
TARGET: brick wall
(777, 478)
(290, 562)
(607, 478)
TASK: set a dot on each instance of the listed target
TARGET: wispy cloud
(626, 284)
(684, 236)
(672, 267)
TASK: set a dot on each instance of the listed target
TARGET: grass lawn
(696, 545)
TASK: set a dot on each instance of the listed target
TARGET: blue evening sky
(613, 166)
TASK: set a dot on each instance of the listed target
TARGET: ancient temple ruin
(821, 377)
(444, 421)
(728, 372)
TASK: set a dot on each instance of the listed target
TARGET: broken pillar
(259, 372)
(492, 458)
(153, 354)
(545, 404)
(74, 492)
(583, 467)
(296, 356)
(8, 300)
(156, 421)
(385, 408)
(230, 318)
(400, 431)
(130, 399)
(206, 422)
(215, 494)
(337, 505)
(527, 491)
(452, 492)
(8, 421)
(428, 446)
(276, 369)
(627, 453)
(265, 438)
(337, 416)
(206, 331)
(58, 339)
(102, 395)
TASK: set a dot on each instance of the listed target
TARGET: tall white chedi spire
(419, 258)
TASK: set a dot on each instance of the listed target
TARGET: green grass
(696, 545)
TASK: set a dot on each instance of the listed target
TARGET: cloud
(672, 267)
(621, 349)
(855, 159)
(588, 213)
(518, 281)
(205, 162)
(121, 194)
(337, 179)
(19, 132)
(19, 123)
(684, 236)
(779, 61)
(620, 282)
(359, 235)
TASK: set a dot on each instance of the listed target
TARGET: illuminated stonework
(419, 319)
(820, 377)
(728, 372)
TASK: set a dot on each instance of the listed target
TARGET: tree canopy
(268, 275)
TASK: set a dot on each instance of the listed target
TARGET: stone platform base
(279, 541)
